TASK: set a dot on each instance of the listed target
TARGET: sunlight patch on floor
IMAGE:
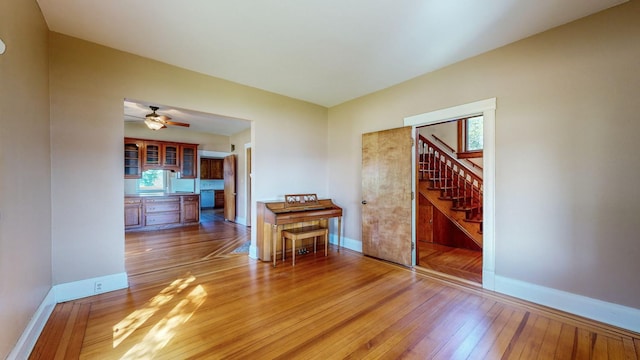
(160, 335)
(133, 321)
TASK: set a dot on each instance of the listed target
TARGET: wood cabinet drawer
(190, 198)
(164, 205)
(160, 207)
(134, 201)
(162, 218)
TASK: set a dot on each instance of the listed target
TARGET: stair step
(464, 208)
(450, 198)
(479, 221)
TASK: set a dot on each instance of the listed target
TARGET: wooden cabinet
(132, 212)
(171, 156)
(211, 169)
(141, 155)
(218, 200)
(190, 209)
(161, 212)
(133, 149)
(152, 155)
(188, 161)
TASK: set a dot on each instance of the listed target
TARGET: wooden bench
(303, 233)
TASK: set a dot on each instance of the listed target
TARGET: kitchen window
(152, 180)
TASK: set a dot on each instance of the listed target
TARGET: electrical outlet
(97, 287)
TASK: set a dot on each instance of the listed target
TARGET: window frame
(144, 189)
(463, 152)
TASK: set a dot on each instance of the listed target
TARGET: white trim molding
(87, 287)
(488, 110)
(346, 242)
(606, 312)
(61, 293)
(34, 328)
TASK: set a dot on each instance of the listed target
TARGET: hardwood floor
(155, 250)
(214, 305)
(462, 263)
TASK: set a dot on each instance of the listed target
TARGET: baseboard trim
(87, 287)
(351, 244)
(488, 280)
(61, 293)
(34, 328)
(253, 251)
(609, 313)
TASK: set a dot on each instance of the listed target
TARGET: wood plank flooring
(462, 263)
(228, 306)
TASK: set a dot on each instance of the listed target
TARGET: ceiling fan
(157, 122)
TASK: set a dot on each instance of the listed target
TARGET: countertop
(150, 194)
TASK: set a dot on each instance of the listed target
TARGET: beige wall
(567, 198)
(25, 197)
(89, 83)
(205, 141)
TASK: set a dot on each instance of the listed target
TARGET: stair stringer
(457, 217)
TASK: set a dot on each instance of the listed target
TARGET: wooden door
(386, 195)
(229, 167)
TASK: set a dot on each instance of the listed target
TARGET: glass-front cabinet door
(133, 158)
(170, 156)
(152, 155)
(188, 159)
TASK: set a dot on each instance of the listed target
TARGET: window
(152, 180)
(470, 141)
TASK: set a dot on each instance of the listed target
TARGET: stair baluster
(454, 181)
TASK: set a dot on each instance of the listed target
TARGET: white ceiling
(322, 51)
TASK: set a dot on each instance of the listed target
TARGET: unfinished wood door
(229, 167)
(386, 195)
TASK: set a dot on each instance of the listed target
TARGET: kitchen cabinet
(132, 213)
(154, 212)
(141, 155)
(188, 161)
(162, 210)
(219, 199)
(211, 169)
(171, 156)
(190, 209)
(152, 155)
(133, 158)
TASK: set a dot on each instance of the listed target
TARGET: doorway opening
(186, 152)
(449, 198)
(485, 108)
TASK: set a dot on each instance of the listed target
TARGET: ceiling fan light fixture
(153, 124)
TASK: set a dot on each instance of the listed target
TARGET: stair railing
(448, 172)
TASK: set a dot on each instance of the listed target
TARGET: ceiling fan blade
(176, 123)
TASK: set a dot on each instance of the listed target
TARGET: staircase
(451, 187)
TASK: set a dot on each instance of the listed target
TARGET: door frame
(487, 108)
(248, 166)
